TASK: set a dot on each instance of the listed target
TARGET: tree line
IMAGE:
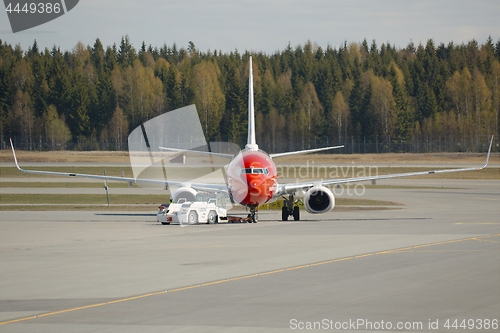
(305, 96)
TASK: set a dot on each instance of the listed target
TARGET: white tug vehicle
(208, 208)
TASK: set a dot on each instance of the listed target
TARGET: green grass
(364, 202)
(410, 187)
(103, 207)
(82, 199)
(320, 172)
(64, 185)
(287, 172)
(12, 172)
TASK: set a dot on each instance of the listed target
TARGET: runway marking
(487, 240)
(342, 259)
(403, 249)
(364, 255)
(244, 277)
(385, 252)
(215, 282)
(321, 263)
(272, 272)
(474, 223)
(295, 267)
(449, 251)
(132, 298)
(181, 289)
(127, 299)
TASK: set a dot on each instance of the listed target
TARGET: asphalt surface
(424, 265)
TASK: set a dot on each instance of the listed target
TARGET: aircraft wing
(196, 186)
(292, 187)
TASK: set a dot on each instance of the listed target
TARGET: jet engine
(185, 192)
(319, 199)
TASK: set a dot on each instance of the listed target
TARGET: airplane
(251, 178)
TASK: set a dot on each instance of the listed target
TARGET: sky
(263, 25)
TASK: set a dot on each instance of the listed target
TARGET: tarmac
(431, 263)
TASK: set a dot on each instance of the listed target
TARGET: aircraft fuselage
(252, 178)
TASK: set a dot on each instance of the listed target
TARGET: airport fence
(363, 145)
(352, 145)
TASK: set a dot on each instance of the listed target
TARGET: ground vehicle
(208, 208)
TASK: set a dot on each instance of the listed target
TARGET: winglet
(488, 156)
(15, 158)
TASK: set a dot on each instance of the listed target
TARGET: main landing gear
(290, 208)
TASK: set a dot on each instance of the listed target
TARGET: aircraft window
(266, 171)
(254, 171)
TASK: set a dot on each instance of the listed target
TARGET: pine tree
(232, 123)
(126, 54)
(172, 88)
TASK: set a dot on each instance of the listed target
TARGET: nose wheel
(253, 217)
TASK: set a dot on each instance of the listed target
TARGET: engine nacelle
(319, 199)
(187, 193)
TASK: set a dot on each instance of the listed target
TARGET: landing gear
(284, 213)
(253, 217)
(290, 208)
(296, 213)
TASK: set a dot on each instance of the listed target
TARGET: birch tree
(383, 104)
(340, 116)
(57, 133)
(208, 97)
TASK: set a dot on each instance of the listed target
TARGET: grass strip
(292, 172)
(64, 185)
(101, 207)
(322, 172)
(81, 199)
(364, 202)
(12, 172)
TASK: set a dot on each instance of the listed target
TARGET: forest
(372, 98)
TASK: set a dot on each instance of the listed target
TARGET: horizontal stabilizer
(304, 151)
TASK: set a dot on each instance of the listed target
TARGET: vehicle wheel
(296, 213)
(212, 217)
(192, 217)
(284, 213)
